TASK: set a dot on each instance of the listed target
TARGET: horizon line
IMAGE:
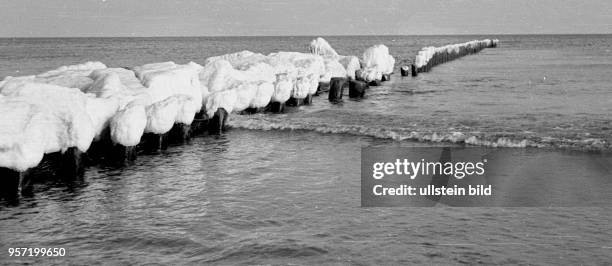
(320, 35)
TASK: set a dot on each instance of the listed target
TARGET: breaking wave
(494, 140)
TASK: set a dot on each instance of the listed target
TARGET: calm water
(286, 197)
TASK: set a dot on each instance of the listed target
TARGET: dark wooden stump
(277, 107)
(217, 123)
(308, 99)
(357, 88)
(336, 89)
(9, 184)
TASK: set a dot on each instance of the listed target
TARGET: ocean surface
(285, 189)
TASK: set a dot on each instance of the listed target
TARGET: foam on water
(263, 122)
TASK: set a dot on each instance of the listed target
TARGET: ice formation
(72, 106)
(320, 46)
(73, 76)
(128, 124)
(256, 80)
(54, 118)
(430, 56)
(23, 133)
(350, 64)
(376, 61)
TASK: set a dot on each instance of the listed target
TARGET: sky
(110, 18)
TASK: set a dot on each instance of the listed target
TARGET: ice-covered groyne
(73, 107)
(92, 111)
(377, 64)
(428, 57)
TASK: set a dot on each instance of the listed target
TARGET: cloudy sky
(53, 18)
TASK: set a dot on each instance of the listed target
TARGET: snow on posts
(429, 57)
(333, 68)
(351, 64)
(218, 106)
(126, 126)
(405, 71)
(23, 133)
(68, 126)
(320, 46)
(262, 98)
(282, 92)
(72, 76)
(126, 129)
(160, 119)
(376, 61)
(72, 127)
(237, 59)
(176, 89)
(302, 89)
(251, 81)
(312, 69)
(494, 43)
(167, 79)
(336, 89)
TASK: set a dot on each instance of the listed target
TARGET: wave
(494, 140)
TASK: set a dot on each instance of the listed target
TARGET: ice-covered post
(405, 71)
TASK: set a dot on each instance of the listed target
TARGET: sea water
(285, 188)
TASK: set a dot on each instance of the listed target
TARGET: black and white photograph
(320, 132)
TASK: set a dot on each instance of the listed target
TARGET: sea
(284, 189)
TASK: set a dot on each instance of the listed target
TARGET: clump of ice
(333, 68)
(23, 133)
(263, 95)
(320, 46)
(225, 99)
(50, 117)
(128, 124)
(72, 76)
(351, 64)
(426, 54)
(376, 61)
(162, 115)
(282, 88)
